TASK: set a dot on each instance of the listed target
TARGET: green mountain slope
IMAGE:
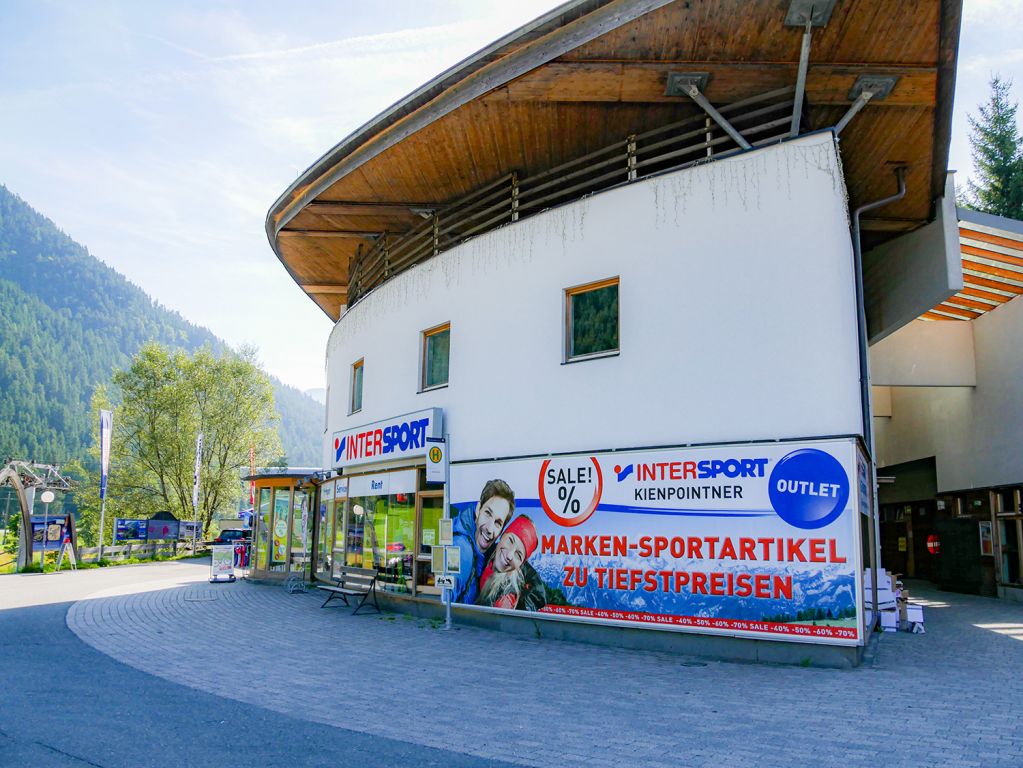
(66, 322)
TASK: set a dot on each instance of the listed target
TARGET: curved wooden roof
(593, 72)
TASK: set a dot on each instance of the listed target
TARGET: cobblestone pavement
(948, 697)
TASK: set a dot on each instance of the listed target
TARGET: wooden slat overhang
(593, 72)
(992, 254)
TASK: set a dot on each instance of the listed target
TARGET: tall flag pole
(106, 425)
(252, 473)
(195, 490)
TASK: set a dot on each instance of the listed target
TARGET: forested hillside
(67, 321)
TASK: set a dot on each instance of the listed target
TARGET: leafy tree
(166, 399)
(997, 150)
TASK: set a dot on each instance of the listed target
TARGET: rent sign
(397, 438)
(754, 540)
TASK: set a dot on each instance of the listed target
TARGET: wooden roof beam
(644, 82)
(330, 233)
(943, 307)
(984, 253)
(351, 208)
(1009, 274)
(962, 301)
(998, 285)
(988, 295)
(326, 288)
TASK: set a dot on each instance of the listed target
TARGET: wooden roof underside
(510, 109)
(992, 253)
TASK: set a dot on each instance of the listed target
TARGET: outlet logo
(809, 488)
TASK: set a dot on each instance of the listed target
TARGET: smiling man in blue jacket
(475, 530)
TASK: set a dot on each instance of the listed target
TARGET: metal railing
(761, 120)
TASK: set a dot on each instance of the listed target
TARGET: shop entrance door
(279, 530)
(262, 530)
(429, 510)
(300, 532)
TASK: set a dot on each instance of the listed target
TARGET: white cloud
(1002, 12)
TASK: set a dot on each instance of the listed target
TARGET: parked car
(233, 535)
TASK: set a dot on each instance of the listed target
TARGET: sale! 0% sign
(570, 489)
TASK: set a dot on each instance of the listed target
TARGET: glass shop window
(263, 530)
(325, 530)
(279, 537)
(380, 523)
(301, 531)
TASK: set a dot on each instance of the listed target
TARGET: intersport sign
(399, 437)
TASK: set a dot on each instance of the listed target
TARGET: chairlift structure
(27, 478)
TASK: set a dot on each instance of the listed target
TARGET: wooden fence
(138, 551)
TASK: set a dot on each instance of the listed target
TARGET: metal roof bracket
(806, 14)
(817, 12)
(689, 84)
(866, 88)
(804, 63)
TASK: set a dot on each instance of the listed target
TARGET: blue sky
(158, 134)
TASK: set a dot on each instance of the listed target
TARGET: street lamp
(46, 497)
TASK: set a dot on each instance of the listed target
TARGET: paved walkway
(949, 697)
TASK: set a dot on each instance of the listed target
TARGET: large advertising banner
(757, 540)
(161, 529)
(125, 529)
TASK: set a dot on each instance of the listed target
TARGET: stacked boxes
(892, 603)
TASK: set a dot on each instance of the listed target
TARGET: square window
(357, 372)
(436, 353)
(591, 319)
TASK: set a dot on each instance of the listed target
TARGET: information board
(222, 563)
(54, 532)
(126, 529)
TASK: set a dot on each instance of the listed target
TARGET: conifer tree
(997, 151)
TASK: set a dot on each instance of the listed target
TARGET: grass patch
(10, 566)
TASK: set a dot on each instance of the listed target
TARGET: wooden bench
(352, 582)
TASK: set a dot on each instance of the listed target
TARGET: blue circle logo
(809, 488)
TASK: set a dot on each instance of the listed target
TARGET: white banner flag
(195, 477)
(106, 427)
